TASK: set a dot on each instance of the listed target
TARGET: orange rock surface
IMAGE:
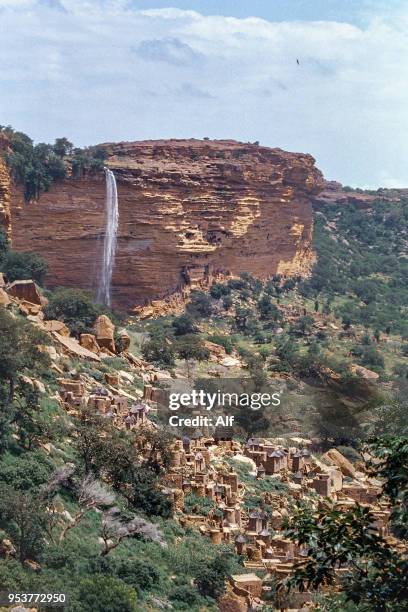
(188, 210)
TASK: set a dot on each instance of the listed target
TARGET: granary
(321, 484)
(119, 404)
(186, 444)
(255, 522)
(274, 462)
(199, 463)
(260, 471)
(297, 461)
(240, 544)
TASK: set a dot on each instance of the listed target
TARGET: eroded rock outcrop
(5, 194)
(189, 209)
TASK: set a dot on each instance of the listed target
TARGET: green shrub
(22, 266)
(196, 504)
(210, 580)
(191, 347)
(185, 596)
(140, 575)
(218, 290)
(100, 593)
(75, 307)
(159, 350)
(184, 324)
(200, 304)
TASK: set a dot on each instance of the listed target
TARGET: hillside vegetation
(82, 506)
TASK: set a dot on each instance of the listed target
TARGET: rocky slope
(189, 210)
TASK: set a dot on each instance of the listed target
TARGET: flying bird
(297, 61)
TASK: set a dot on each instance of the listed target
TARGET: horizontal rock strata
(188, 210)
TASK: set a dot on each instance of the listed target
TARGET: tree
(24, 515)
(390, 464)
(116, 528)
(242, 318)
(200, 304)
(184, 324)
(211, 578)
(302, 326)
(159, 350)
(63, 147)
(218, 290)
(192, 347)
(19, 351)
(376, 572)
(227, 302)
(4, 247)
(90, 495)
(23, 266)
(100, 593)
(104, 451)
(267, 309)
(73, 306)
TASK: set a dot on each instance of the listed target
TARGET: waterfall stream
(109, 243)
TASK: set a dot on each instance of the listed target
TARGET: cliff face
(187, 211)
(5, 193)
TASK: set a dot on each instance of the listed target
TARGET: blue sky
(110, 70)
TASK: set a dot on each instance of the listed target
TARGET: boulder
(364, 373)
(89, 342)
(7, 549)
(230, 362)
(112, 379)
(104, 332)
(334, 457)
(29, 309)
(26, 290)
(124, 339)
(217, 352)
(51, 351)
(4, 298)
(73, 347)
(56, 326)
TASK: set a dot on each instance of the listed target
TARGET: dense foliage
(20, 266)
(376, 572)
(75, 307)
(363, 258)
(36, 167)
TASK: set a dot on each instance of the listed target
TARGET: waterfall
(109, 243)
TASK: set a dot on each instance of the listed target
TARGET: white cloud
(98, 70)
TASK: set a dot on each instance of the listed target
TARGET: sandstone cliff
(189, 209)
(5, 192)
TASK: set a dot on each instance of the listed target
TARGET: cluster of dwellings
(191, 473)
(258, 535)
(115, 407)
